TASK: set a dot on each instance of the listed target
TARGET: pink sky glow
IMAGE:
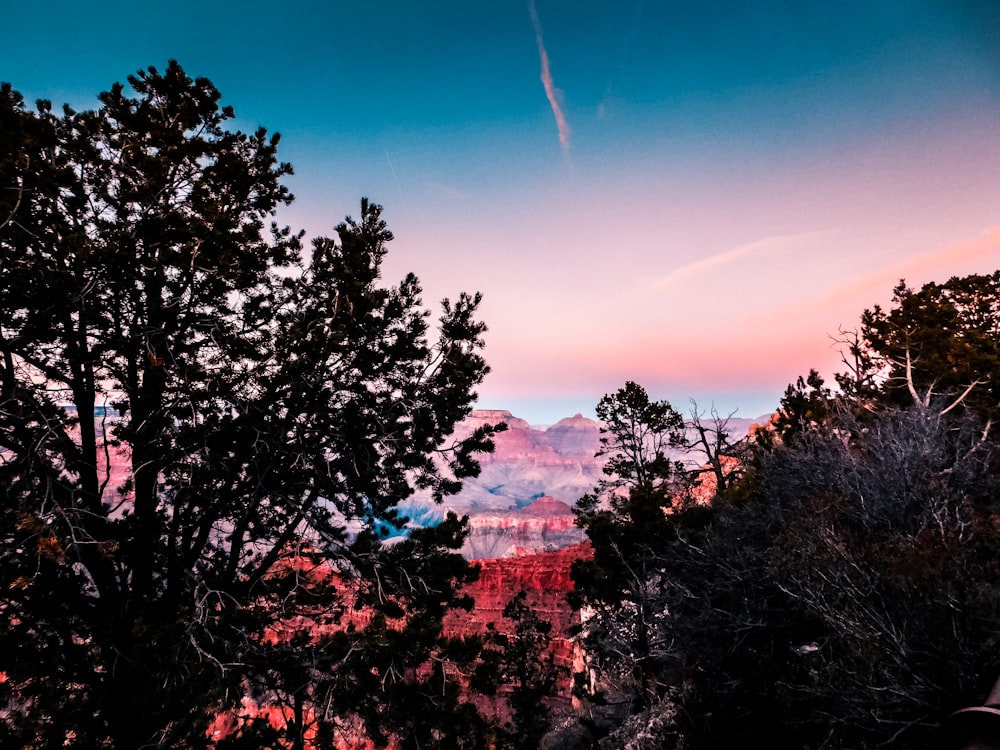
(726, 285)
(742, 181)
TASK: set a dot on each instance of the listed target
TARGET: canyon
(521, 503)
(522, 537)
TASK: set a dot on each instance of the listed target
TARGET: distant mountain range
(521, 503)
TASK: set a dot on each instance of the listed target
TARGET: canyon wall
(544, 526)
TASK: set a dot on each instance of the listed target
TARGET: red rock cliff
(546, 580)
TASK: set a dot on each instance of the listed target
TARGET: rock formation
(529, 463)
(544, 526)
(545, 577)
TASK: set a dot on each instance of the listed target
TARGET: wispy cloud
(758, 247)
(551, 92)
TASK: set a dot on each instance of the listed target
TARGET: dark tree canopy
(186, 405)
(842, 591)
(939, 346)
(523, 660)
(626, 520)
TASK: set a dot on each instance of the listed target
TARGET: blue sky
(733, 181)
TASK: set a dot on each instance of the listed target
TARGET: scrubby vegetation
(843, 591)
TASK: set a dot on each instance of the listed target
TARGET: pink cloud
(551, 92)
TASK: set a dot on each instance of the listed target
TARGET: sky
(697, 196)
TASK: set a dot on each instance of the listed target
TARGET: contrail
(392, 169)
(551, 92)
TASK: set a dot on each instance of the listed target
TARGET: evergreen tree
(939, 346)
(530, 673)
(628, 520)
(841, 592)
(265, 412)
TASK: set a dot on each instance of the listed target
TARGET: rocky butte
(544, 526)
(521, 503)
(529, 463)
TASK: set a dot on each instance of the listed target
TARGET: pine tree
(266, 411)
(938, 346)
(527, 666)
(628, 523)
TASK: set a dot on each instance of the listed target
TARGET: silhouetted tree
(710, 440)
(188, 415)
(525, 663)
(805, 408)
(841, 593)
(627, 522)
(939, 346)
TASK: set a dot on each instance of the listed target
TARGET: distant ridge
(522, 501)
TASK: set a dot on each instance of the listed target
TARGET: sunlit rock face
(573, 437)
(544, 526)
(521, 502)
(529, 463)
(545, 578)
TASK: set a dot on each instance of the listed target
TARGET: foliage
(626, 523)
(805, 408)
(266, 412)
(888, 540)
(637, 435)
(940, 344)
(522, 661)
(842, 592)
(845, 596)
